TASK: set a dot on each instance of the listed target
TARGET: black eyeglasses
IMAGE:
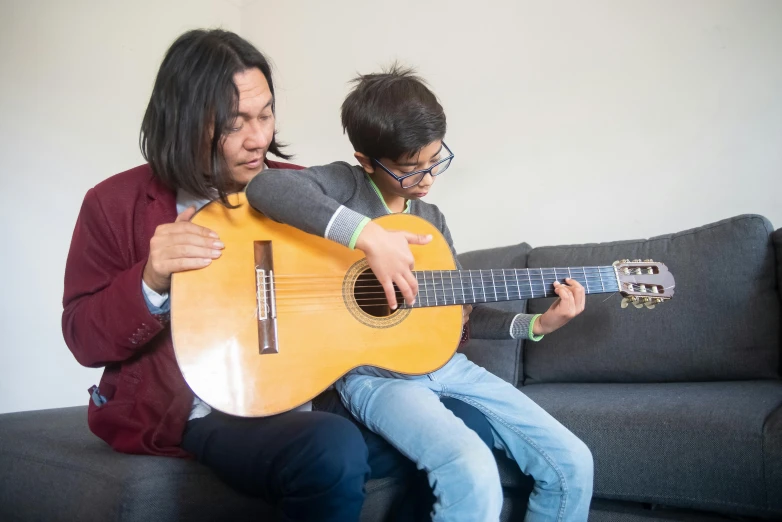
(412, 179)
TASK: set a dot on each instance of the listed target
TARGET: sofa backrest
(776, 239)
(502, 358)
(723, 322)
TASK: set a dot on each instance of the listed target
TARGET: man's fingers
(191, 251)
(183, 264)
(186, 214)
(184, 227)
(466, 310)
(191, 239)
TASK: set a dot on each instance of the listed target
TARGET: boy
(397, 126)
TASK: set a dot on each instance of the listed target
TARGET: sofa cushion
(620, 511)
(776, 238)
(53, 468)
(690, 445)
(722, 323)
(772, 447)
(502, 358)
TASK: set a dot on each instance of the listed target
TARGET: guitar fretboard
(452, 287)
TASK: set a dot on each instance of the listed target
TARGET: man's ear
(365, 162)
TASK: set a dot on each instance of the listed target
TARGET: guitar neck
(453, 287)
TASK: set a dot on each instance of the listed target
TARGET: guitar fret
(461, 284)
(418, 295)
(453, 291)
(507, 293)
(442, 283)
(586, 281)
(428, 296)
(422, 284)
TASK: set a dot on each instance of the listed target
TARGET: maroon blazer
(105, 320)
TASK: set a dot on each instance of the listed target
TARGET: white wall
(560, 114)
(75, 78)
(571, 121)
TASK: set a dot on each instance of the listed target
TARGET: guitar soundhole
(370, 296)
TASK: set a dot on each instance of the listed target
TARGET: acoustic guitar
(283, 314)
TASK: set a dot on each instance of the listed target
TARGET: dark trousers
(312, 465)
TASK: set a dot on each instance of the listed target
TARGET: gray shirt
(336, 200)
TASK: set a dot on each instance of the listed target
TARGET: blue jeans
(406, 410)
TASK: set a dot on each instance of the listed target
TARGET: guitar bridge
(265, 298)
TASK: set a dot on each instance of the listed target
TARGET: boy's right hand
(389, 257)
(177, 247)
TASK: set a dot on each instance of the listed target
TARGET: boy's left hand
(569, 304)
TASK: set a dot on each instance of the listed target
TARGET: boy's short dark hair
(392, 114)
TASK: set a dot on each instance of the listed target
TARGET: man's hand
(466, 309)
(389, 257)
(569, 304)
(177, 247)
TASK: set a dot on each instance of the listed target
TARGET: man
(207, 130)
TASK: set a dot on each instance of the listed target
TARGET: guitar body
(321, 331)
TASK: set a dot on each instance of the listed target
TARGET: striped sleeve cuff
(357, 233)
(521, 327)
(345, 226)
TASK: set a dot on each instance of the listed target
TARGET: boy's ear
(365, 162)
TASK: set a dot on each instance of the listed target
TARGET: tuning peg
(650, 306)
(625, 302)
(638, 305)
(648, 260)
(636, 260)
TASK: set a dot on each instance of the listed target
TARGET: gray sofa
(680, 405)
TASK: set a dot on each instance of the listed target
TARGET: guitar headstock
(643, 283)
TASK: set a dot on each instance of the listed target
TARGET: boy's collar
(382, 199)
